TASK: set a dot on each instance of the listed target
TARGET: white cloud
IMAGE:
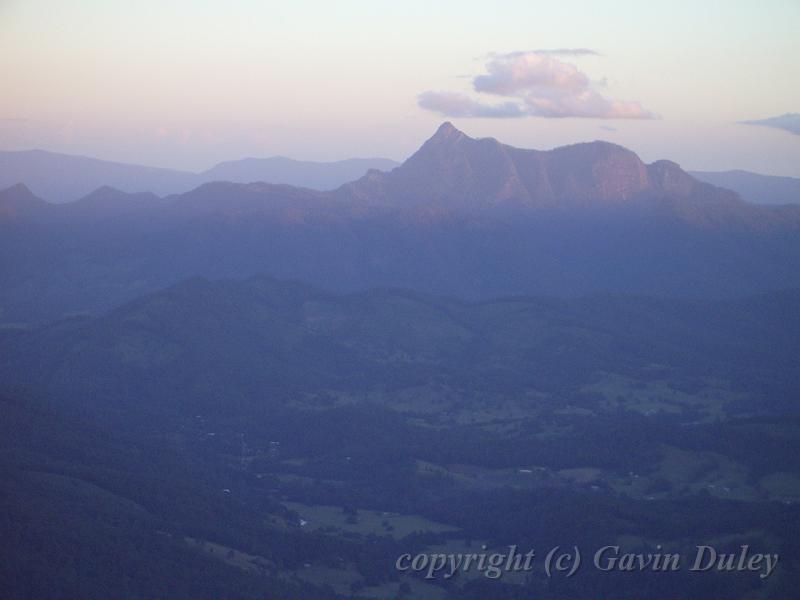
(519, 73)
(456, 104)
(537, 84)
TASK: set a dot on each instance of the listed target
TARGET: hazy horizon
(207, 166)
(185, 86)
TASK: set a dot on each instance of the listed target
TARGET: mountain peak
(448, 132)
(108, 194)
(457, 172)
(454, 171)
(17, 190)
(19, 200)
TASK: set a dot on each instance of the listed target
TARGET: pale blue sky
(187, 83)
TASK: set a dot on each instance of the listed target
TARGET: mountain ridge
(522, 177)
(755, 187)
(60, 178)
(454, 173)
(454, 170)
(495, 221)
(258, 323)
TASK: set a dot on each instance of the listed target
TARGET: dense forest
(335, 433)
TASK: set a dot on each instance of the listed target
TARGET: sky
(188, 83)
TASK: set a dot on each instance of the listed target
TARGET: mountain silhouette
(58, 177)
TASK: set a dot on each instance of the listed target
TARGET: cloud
(537, 84)
(789, 122)
(456, 104)
(518, 73)
(586, 103)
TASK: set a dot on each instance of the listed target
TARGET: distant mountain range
(521, 176)
(63, 178)
(753, 187)
(471, 218)
(455, 175)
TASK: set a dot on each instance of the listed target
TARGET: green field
(332, 519)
